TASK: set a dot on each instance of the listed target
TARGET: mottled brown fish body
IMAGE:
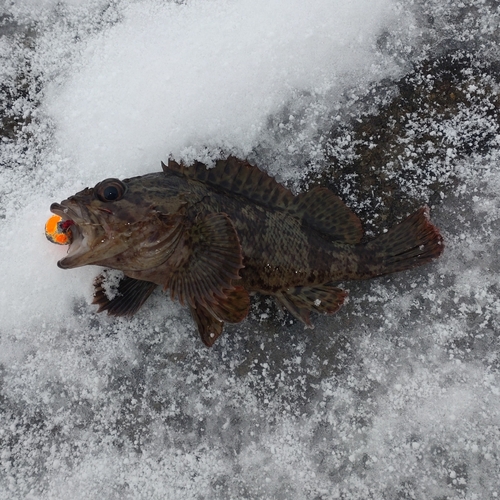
(211, 236)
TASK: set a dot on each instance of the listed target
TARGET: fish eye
(110, 193)
(110, 190)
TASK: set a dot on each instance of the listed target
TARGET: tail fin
(411, 243)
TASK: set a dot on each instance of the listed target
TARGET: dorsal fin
(239, 177)
(328, 214)
(319, 208)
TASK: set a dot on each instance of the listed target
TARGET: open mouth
(68, 217)
(78, 246)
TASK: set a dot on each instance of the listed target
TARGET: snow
(204, 75)
(396, 396)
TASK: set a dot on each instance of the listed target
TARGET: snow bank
(176, 79)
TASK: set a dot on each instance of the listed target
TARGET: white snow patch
(175, 79)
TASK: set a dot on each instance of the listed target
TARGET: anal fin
(301, 300)
(130, 295)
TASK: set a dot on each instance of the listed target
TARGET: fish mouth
(82, 233)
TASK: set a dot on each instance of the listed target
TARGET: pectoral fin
(301, 300)
(212, 264)
(130, 295)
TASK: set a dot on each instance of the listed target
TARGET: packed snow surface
(396, 396)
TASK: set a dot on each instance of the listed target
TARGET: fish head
(118, 224)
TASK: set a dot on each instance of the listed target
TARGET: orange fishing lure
(58, 231)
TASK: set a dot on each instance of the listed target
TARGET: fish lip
(65, 212)
(78, 247)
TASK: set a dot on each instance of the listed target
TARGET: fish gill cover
(391, 105)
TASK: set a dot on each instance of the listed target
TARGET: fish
(212, 237)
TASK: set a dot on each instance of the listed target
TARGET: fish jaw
(92, 240)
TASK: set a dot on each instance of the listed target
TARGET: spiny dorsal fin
(239, 177)
(318, 208)
(328, 214)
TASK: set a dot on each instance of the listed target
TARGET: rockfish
(214, 235)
